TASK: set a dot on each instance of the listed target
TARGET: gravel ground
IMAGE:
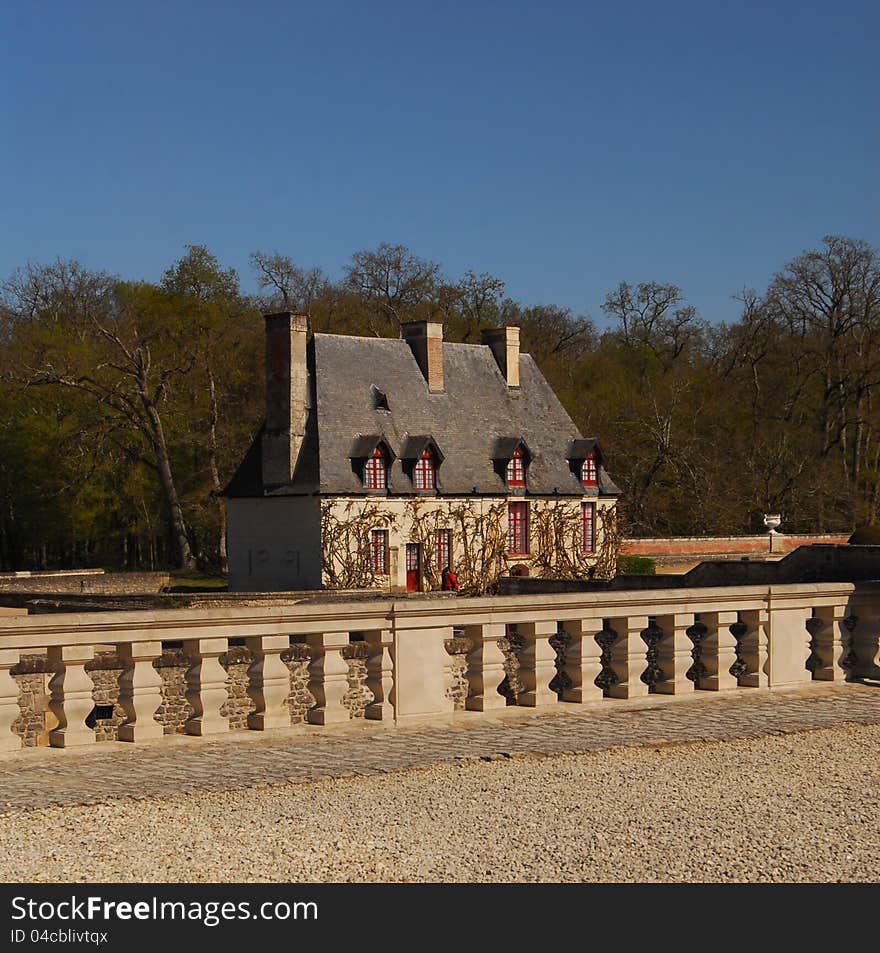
(796, 807)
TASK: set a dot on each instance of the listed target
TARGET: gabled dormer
(511, 458)
(421, 458)
(371, 458)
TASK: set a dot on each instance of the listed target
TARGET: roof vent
(380, 400)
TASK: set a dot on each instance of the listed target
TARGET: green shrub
(866, 536)
(636, 564)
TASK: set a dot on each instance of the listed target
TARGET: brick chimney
(287, 395)
(504, 343)
(425, 339)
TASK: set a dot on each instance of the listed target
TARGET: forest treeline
(125, 406)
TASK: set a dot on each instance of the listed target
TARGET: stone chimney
(504, 343)
(425, 339)
(287, 395)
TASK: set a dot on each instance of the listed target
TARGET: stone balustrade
(422, 660)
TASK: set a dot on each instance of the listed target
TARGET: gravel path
(797, 807)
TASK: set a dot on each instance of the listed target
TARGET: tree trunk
(184, 554)
(215, 473)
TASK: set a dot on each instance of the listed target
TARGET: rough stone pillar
(140, 690)
(268, 682)
(380, 675)
(753, 649)
(628, 657)
(9, 708)
(206, 686)
(537, 664)
(328, 678)
(674, 654)
(71, 689)
(485, 667)
(582, 660)
(718, 651)
(788, 646)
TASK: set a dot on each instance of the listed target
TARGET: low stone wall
(33, 675)
(87, 582)
(675, 546)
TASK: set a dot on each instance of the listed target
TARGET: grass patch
(189, 580)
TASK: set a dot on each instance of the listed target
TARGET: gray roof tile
(476, 413)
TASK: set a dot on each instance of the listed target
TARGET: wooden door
(413, 567)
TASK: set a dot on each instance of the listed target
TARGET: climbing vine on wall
(479, 535)
(345, 543)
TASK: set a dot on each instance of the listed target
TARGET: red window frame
(444, 548)
(516, 469)
(589, 474)
(379, 551)
(425, 473)
(588, 527)
(376, 471)
(518, 528)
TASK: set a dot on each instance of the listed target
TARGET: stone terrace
(42, 778)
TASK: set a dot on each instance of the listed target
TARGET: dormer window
(376, 470)
(516, 468)
(425, 471)
(588, 471)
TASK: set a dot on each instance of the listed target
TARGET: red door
(413, 567)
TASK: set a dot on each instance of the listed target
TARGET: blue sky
(561, 146)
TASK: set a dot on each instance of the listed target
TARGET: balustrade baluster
(71, 702)
(9, 708)
(753, 649)
(628, 657)
(717, 651)
(537, 664)
(485, 667)
(328, 678)
(674, 655)
(140, 690)
(206, 688)
(583, 660)
(380, 675)
(268, 682)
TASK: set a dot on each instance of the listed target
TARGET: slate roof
(475, 416)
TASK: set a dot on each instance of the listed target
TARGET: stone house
(382, 461)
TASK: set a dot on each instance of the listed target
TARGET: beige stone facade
(476, 547)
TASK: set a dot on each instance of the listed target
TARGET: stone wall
(86, 583)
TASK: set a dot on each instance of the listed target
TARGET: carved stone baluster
(718, 651)
(268, 682)
(328, 678)
(485, 667)
(628, 657)
(206, 688)
(583, 661)
(9, 708)
(380, 675)
(140, 690)
(537, 664)
(753, 649)
(674, 655)
(71, 689)
(606, 637)
(864, 648)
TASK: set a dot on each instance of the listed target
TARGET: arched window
(588, 471)
(425, 473)
(376, 471)
(516, 469)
